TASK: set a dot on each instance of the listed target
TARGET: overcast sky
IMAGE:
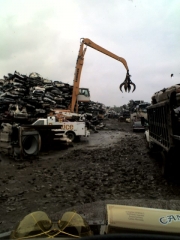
(43, 36)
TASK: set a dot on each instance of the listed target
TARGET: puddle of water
(101, 139)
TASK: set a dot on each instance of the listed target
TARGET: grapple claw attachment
(120, 87)
(127, 84)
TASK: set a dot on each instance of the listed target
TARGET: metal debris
(25, 98)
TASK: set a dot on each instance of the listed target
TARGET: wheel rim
(71, 136)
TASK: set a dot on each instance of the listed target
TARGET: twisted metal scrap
(127, 84)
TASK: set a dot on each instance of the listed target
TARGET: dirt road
(113, 164)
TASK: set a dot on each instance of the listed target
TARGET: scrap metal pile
(25, 97)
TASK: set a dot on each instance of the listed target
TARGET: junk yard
(59, 149)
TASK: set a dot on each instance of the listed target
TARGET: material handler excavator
(82, 94)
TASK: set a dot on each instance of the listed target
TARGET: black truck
(163, 132)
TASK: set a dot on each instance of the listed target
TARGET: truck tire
(71, 135)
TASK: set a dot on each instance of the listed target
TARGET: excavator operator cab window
(84, 95)
(84, 91)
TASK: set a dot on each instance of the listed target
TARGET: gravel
(80, 175)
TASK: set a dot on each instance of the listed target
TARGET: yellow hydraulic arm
(79, 65)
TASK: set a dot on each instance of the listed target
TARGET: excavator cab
(84, 95)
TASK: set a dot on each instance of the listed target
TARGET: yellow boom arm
(79, 65)
(91, 44)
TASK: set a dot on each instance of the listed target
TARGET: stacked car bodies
(25, 98)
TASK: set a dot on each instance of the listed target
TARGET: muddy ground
(113, 164)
